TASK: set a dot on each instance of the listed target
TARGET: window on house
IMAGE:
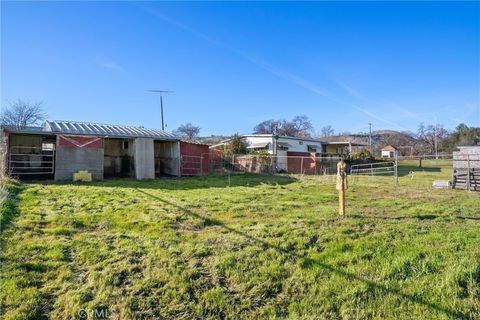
(125, 144)
(312, 149)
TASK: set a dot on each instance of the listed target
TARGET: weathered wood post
(395, 171)
(468, 173)
(341, 186)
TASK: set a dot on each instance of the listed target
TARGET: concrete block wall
(69, 160)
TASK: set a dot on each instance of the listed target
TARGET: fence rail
(384, 168)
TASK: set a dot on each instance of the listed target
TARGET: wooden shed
(466, 168)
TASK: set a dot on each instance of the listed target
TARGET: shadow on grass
(309, 261)
(9, 207)
(190, 183)
(404, 170)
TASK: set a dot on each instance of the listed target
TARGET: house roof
(255, 135)
(258, 145)
(389, 148)
(346, 143)
(104, 130)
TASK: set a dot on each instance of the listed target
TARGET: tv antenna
(161, 92)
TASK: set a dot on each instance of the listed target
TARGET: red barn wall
(193, 156)
(79, 142)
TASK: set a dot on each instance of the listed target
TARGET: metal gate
(191, 165)
(389, 168)
(31, 160)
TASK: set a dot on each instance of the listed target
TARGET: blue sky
(232, 65)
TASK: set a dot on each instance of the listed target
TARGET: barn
(59, 149)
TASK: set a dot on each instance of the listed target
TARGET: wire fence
(416, 172)
(212, 163)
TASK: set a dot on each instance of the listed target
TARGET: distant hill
(402, 140)
(213, 139)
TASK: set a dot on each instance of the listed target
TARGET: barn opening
(31, 156)
(118, 159)
(167, 158)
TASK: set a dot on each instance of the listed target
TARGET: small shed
(389, 152)
(466, 168)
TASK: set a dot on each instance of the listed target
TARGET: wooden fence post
(468, 172)
(395, 171)
(341, 186)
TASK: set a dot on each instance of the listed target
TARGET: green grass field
(265, 247)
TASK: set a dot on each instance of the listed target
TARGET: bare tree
(22, 114)
(327, 131)
(187, 131)
(266, 127)
(429, 136)
(299, 126)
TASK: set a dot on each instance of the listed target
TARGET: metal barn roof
(105, 130)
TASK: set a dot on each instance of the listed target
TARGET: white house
(282, 146)
(292, 151)
(389, 152)
(283, 143)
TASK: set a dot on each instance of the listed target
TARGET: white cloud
(108, 64)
